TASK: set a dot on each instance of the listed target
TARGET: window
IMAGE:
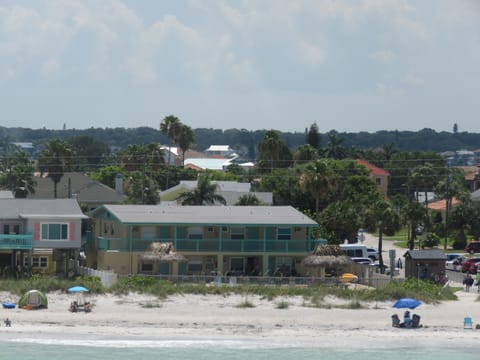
(284, 233)
(54, 231)
(146, 268)
(195, 233)
(378, 181)
(210, 229)
(237, 233)
(11, 229)
(39, 262)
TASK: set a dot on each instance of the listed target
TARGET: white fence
(107, 278)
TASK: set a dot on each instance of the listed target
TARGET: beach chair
(467, 322)
(395, 320)
(416, 321)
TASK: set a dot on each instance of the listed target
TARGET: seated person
(87, 307)
(407, 321)
(73, 306)
(8, 322)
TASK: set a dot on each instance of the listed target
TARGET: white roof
(219, 148)
(208, 163)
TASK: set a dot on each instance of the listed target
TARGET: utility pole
(447, 204)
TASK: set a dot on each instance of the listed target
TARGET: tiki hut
(326, 257)
(157, 255)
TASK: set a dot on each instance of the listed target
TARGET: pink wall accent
(36, 235)
(72, 231)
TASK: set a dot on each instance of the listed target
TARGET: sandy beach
(140, 317)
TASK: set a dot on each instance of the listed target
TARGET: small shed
(424, 264)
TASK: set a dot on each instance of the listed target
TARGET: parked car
(373, 254)
(386, 269)
(473, 247)
(454, 262)
(467, 265)
(362, 260)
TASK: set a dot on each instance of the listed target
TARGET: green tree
(170, 126)
(384, 218)
(313, 137)
(335, 148)
(185, 138)
(203, 194)
(90, 153)
(272, 152)
(318, 179)
(18, 176)
(414, 215)
(55, 160)
(305, 153)
(248, 200)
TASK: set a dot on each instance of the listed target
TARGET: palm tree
(334, 147)
(414, 214)
(305, 153)
(204, 193)
(170, 126)
(318, 179)
(272, 151)
(56, 159)
(383, 217)
(248, 200)
(185, 138)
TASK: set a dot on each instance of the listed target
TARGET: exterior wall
(74, 234)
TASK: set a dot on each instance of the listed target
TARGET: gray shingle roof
(86, 190)
(27, 208)
(154, 214)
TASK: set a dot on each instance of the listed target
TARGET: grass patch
(245, 304)
(282, 305)
(151, 305)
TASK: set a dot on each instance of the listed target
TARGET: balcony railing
(210, 245)
(16, 242)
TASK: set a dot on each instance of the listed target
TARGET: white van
(355, 250)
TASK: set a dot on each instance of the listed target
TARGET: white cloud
(383, 56)
(311, 55)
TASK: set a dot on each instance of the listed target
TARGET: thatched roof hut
(160, 252)
(326, 257)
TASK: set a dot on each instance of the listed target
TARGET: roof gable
(374, 170)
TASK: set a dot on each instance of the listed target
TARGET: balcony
(211, 245)
(16, 242)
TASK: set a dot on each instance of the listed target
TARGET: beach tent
(33, 299)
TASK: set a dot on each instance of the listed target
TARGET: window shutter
(72, 231)
(36, 235)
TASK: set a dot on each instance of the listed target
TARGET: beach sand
(141, 317)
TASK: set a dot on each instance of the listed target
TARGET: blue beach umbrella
(407, 303)
(78, 289)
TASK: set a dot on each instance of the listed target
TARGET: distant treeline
(245, 141)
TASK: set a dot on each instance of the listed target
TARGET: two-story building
(39, 234)
(250, 240)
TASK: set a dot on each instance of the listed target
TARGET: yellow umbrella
(348, 278)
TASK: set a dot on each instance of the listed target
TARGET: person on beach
(8, 322)
(468, 282)
(407, 320)
(478, 281)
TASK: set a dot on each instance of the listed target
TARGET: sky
(346, 65)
